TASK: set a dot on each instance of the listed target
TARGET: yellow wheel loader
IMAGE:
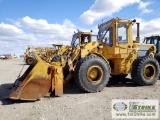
(154, 39)
(91, 64)
(45, 53)
(78, 39)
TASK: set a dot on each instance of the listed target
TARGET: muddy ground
(73, 105)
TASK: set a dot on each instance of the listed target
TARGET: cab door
(122, 37)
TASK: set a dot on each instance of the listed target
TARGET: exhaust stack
(138, 37)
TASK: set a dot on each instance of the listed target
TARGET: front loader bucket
(33, 84)
(37, 81)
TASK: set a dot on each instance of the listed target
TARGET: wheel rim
(30, 61)
(149, 72)
(95, 74)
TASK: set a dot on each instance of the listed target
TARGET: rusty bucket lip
(16, 98)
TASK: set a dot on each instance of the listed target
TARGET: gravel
(73, 105)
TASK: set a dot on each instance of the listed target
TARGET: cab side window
(122, 34)
(108, 39)
(94, 38)
(155, 41)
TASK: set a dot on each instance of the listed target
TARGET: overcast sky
(44, 22)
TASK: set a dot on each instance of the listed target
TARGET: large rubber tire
(157, 57)
(57, 58)
(30, 60)
(145, 71)
(122, 76)
(92, 74)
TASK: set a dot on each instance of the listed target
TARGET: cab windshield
(105, 34)
(103, 30)
(153, 40)
(75, 40)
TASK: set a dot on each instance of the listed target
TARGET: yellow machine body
(119, 55)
